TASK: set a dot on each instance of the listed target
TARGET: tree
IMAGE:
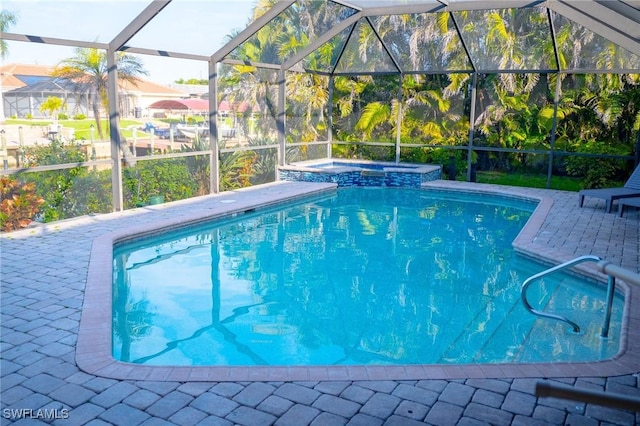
(88, 69)
(7, 19)
(196, 81)
(52, 105)
(307, 94)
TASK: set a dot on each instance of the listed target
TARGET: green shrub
(440, 156)
(79, 117)
(168, 178)
(63, 116)
(19, 204)
(55, 186)
(599, 172)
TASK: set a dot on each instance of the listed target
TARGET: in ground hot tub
(360, 172)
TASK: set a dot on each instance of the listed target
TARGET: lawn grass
(83, 127)
(564, 183)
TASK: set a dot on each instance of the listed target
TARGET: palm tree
(6, 20)
(306, 94)
(88, 69)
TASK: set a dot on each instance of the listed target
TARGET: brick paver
(298, 415)
(297, 393)
(254, 394)
(381, 405)
(335, 405)
(41, 308)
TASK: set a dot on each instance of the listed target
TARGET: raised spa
(360, 173)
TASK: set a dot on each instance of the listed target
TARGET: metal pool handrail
(617, 400)
(603, 266)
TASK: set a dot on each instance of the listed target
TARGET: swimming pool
(240, 293)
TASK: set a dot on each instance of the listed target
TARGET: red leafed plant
(19, 203)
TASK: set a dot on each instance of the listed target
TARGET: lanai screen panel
(325, 58)
(433, 110)
(307, 99)
(514, 111)
(291, 31)
(74, 20)
(581, 49)
(392, 5)
(423, 42)
(365, 53)
(252, 94)
(195, 27)
(508, 39)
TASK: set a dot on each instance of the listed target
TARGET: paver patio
(44, 277)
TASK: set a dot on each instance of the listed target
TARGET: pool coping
(94, 346)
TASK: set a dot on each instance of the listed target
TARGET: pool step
(488, 330)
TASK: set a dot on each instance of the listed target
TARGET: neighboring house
(25, 101)
(135, 100)
(26, 87)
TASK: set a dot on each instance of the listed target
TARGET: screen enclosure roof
(364, 36)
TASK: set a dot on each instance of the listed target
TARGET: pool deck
(53, 354)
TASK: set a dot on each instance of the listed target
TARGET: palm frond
(432, 130)
(373, 114)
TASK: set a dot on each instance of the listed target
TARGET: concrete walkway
(44, 274)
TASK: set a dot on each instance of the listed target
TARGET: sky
(188, 26)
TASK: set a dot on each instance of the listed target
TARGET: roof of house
(149, 87)
(51, 85)
(193, 104)
(10, 79)
(9, 73)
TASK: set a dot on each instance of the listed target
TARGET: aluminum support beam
(281, 118)
(114, 131)
(138, 23)
(464, 43)
(251, 63)
(330, 118)
(403, 9)
(625, 19)
(399, 119)
(460, 5)
(384, 46)
(52, 40)
(347, 4)
(95, 45)
(554, 128)
(322, 39)
(472, 119)
(112, 93)
(164, 53)
(214, 139)
(617, 28)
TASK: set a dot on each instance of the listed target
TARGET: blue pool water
(361, 276)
